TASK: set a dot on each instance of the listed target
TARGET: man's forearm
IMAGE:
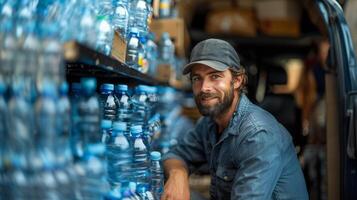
(175, 167)
(177, 185)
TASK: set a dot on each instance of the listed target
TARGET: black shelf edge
(83, 61)
(259, 40)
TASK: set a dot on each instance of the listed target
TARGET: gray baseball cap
(215, 53)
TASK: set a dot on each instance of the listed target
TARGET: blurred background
(89, 89)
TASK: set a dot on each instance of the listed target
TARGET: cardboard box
(177, 30)
(278, 9)
(119, 47)
(282, 27)
(232, 21)
(164, 72)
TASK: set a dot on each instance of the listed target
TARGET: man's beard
(217, 109)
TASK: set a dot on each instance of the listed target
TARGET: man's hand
(177, 185)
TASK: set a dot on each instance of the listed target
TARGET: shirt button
(225, 177)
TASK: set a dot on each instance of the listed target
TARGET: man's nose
(206, 85)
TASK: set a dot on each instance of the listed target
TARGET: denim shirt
(254, 158)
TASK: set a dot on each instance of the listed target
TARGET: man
(250, 154)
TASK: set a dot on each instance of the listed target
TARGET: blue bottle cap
(165, 144)
(49, 89)
(88, 84)
(119, 126)
(63, 88)
(107, 87)
(141, 188)
(114, 194)
(143, 39)
(155, 155)
(165, 35)
(106, 124)
(151, 89)
(136, 130)
(141, 88)
(132, 186)
(122, 87)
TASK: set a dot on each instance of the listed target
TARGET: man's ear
(237, 81)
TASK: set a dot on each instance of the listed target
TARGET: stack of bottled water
(35, 159)
(91, 166)
(129, 141)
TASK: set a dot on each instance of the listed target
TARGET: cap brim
(210, 63)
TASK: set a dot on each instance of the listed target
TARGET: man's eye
(195, 78)
(215, 76)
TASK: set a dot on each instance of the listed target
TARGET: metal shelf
(83, 61)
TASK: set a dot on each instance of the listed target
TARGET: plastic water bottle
(8, 45)
(119, 155)
(106, 126)
(92, 165)
(141, 165)
(46, 126)
(154, 126)
(105, 8)
(165, 9)
(120, 17)
(140, 105)
(153, 99)
(144, 192)
(105, 34)
(147, 138)
(133, 193)
(157, 175)
(108, 102)
(86, 23)
(132, 52)
(75, 142)
(45, 162)
(142, 59)
(89, 114)
(124, 103)
(63, 151)
(21, 124)
(140, 16)
(25, 18)
(166, 48)
(50, 67)
(150, 11)
(152, 54)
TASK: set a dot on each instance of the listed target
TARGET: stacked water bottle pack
(78, 146)
(129, 124)
(91, 22)
(35, 157)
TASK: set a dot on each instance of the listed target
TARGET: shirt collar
(238, 115)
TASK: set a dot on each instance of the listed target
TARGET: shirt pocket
(225, 179)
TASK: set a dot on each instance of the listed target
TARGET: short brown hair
(241, 72)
